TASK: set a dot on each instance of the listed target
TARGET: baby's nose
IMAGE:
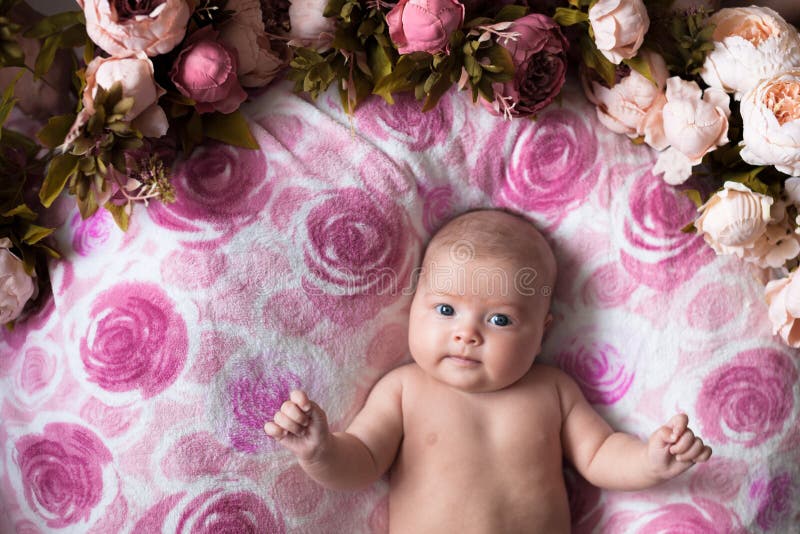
(467, 336)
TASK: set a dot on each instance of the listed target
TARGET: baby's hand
(301, 426)
(674, 448)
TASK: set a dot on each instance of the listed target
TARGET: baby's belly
(477, 496)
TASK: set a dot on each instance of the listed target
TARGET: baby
(473, 431)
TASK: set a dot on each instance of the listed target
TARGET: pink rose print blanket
(135, 402)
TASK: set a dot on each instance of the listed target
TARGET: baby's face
(477, 325)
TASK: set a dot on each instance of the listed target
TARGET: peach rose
(633, 106)
(771, 123)
(619, 27)
(16, 286)
(777, 245)
(121, 27)
(750, 44)
(734, 218)
(695, 123)
(136, 75)
(783, 299)
(244, 32)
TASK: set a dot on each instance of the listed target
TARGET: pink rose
(783, 299)
(138, 81)
(206, 71)
(121, 27)
(540, 60)
(633, 106)
(695, 123)
(424, 25)
(308, 23)
(16, 286)
(244, 32)
(619, 27)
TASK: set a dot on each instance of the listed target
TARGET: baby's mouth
(463, 360)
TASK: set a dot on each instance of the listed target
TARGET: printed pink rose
(775, 498)
(783, 299)
(599, 369)
(702, 516)
(121, 27)
(62, 472)
(748, 400)
(92, 233)
(540, 60)
(244, 32)
(619, 27)
(16, 286)
(206, 70)
(136, 340)
(424, 25)
(551, 171)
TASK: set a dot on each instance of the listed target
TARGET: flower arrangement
(715, 92)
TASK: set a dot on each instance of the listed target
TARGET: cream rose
(771, 123)
(619, 27)
(695, 123)
(783, 299)
(307, 21)
(244, 32)
(633, 106)
(121, 27)
(750, 44)
(734, 218)
(777, 245)
(136, 76)
(16, 286)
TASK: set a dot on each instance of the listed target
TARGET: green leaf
(333, 8)
(510, 13)
(500, 57)
(88, 206)
(640, 65)
(7, 104)
(23, 211)
(436, 92)
(119, 213)
(229, 128)
(55, 24)
(61, 168)
(47, 55)
(568, 17)
(55, 131)
(36, 233)
(595, 60)
(379, 61)
(694, 196)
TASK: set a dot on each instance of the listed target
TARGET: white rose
(734, 218)
(750, 44)
(16, 286)
(619, 27)
(771, 123)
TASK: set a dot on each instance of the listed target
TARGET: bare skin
(473, 433)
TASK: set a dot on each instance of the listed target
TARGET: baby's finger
(293, 412)
(274, 431)
(287, 424)
(301, 399)
(693, 452)
(704, 455)
(683, 443)
(678, 423)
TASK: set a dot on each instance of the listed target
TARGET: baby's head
(482, 301)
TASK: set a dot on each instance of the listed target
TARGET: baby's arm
(620, 461)
(343, 460)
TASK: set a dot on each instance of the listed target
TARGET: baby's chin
(471, 379)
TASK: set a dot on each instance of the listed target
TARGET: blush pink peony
(206, 71)
(136, 76)
(121, 27)
(244, 32)
(783, 299)
(424, 25)
(16, 286)
(619, 27)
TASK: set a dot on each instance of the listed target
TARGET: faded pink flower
(244, 32)
(206, 71)
(540, 59)
(308, 23)
(619, 27)
(424, 25)
(137, 78)
(16, 286)
(121, 27)
(783, 299)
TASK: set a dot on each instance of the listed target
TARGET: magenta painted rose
(207, 71)
(358, 252)
(424, 25)
(551, 171)
(220, 186)
(599, 369)
(62, 472)
(136, 340)
(403, 122)
(540, 60)
(123, 27)
(703, 516)
(656, 252)
(608, 286)
(92, 233)
(438, 206)
(748, 400)
(775, 497)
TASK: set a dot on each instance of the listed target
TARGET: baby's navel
(431, 438)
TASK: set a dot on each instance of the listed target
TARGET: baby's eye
(498, 319)
(445, 309)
